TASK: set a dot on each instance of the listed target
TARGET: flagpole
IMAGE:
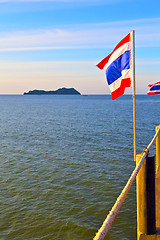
(133, 84)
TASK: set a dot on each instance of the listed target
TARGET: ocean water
(65, 159)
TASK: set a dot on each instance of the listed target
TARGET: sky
(57, 43)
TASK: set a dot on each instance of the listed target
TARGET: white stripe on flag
(116, 84)
(125, 47)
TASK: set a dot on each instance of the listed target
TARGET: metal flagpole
(133, 85)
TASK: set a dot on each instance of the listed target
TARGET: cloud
(100, 35)
(25, 66)
(64, 1)
(80, 66)
(17, 77)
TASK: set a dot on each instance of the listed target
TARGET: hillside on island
(60, 91)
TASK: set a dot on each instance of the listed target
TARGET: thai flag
(117, 66)
(154, 89)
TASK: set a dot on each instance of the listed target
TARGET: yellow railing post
(141, 198)
(146, 223)
(158, 152)
(158, 179)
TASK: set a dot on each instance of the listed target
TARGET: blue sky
(57, 43)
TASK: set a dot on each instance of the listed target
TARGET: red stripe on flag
(106, 59)
(153, 93)
(104, 62)
(151, 85)
(120, 91)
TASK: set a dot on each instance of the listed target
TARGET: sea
(64, 161)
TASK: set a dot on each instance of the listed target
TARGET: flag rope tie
(145, 150)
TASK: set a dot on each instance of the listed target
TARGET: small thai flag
(154, 89)
(117, 66)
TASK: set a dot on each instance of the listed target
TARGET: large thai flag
(117, 66)
(154, 89)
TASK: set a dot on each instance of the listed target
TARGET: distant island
(60, 91)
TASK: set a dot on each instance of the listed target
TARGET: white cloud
(64, 1)
(12, 66)
(79, 65)
(17, 77)
(104, 35)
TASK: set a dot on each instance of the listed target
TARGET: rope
(115, 209)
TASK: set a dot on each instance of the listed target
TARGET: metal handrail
(115, 209)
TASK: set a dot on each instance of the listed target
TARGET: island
(60, 91)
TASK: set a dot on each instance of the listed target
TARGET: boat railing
(140, 160)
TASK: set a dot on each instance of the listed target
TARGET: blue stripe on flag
(114, 70)
(154, 88)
